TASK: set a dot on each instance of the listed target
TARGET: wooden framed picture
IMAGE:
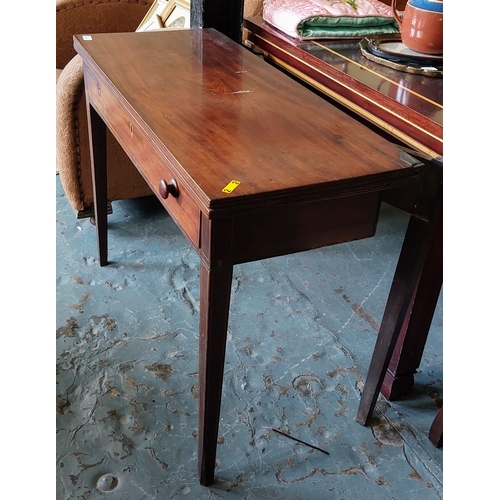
(169, 14)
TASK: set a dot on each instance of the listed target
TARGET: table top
(410, 106)
(219, 113)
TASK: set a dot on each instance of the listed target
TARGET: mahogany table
(247, 162)
(409, 107)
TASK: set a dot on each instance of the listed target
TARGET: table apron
(289, 228)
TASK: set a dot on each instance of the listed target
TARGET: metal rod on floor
(299, 441)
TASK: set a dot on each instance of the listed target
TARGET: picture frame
(167, 14)
(153, 18)
(177, 14)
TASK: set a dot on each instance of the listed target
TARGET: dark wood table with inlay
(408, 107)
(246, 161)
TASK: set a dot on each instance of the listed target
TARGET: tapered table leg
(97, 131)
(215, 293)
(410, 346)
(415, 252)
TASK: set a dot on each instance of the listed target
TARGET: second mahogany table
(409, 107)
(247, 162)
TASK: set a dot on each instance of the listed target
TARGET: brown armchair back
(72, 142)
(94, 16)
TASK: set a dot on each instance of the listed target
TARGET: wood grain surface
(217, 113)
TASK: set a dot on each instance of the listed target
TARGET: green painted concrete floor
(302, 330)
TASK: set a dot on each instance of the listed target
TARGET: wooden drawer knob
(167, 188)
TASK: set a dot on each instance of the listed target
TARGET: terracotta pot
(421, 25)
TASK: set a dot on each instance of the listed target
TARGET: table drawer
(146, 156)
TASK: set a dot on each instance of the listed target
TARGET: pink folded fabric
(314, 19)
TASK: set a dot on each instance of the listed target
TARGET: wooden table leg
(215, 293)
(98, 163)
(410, 346)
(420, 237)
(436, 430)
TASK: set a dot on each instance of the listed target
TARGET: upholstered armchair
(72, 144)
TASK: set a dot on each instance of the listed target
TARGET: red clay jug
(421, 25)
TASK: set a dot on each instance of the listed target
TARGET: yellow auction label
(231, 187)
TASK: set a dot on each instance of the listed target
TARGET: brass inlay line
(358, 109)
(317, 85)
(378, 74)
